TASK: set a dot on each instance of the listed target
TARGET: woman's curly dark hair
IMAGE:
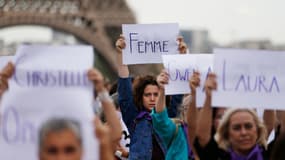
(139, 85)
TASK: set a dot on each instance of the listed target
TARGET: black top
(212, 151)
(157, 153)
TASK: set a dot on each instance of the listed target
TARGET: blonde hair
(222, 135)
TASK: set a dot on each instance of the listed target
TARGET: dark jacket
(213, 152)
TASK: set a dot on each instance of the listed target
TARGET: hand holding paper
(97, 78)
(5, 74)
(210, 84)
(194, 82)
(120, 44)
(145, 43)
(162, 79)
(182, 46)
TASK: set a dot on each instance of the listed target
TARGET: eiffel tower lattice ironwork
(97, 22)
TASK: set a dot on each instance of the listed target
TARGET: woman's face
(150, 96)
(242, 132)
(61, 145)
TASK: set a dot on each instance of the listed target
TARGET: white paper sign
(145, 43)
(180, 68)
(250, 78)
(48, 82)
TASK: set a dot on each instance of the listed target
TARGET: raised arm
(103, 134)
(194, 82)
(125, 96)
(205, 116)
(107, 104)
(176, 100)
(162, 124)
(123, 70)
(162, 79)
(5, 74)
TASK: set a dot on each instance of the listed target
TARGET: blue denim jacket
(142, 130)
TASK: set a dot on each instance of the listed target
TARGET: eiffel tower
(96, 22)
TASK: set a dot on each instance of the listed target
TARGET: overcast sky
(26, 33)
(226, 20)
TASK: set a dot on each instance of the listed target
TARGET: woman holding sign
(174, 131)
(240, 133)
(136, 107)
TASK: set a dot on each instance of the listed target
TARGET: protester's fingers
(120, 46)
(180, 39)
(211, 81)
(197, 73)
(8, 70)
(97, 78)
(163, 77)
(195, 79)
(92, 74)
(95, 74)
(164, 80)
(160, 80)
(182, 46)
(164, 74)
(211, 75)
(11, 68)
(182, 49)
(195, 83)
(215, 85)
(164, 71)
(120, 43)
(5, 74)
(122, 37)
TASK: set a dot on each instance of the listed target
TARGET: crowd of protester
(139, 122)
